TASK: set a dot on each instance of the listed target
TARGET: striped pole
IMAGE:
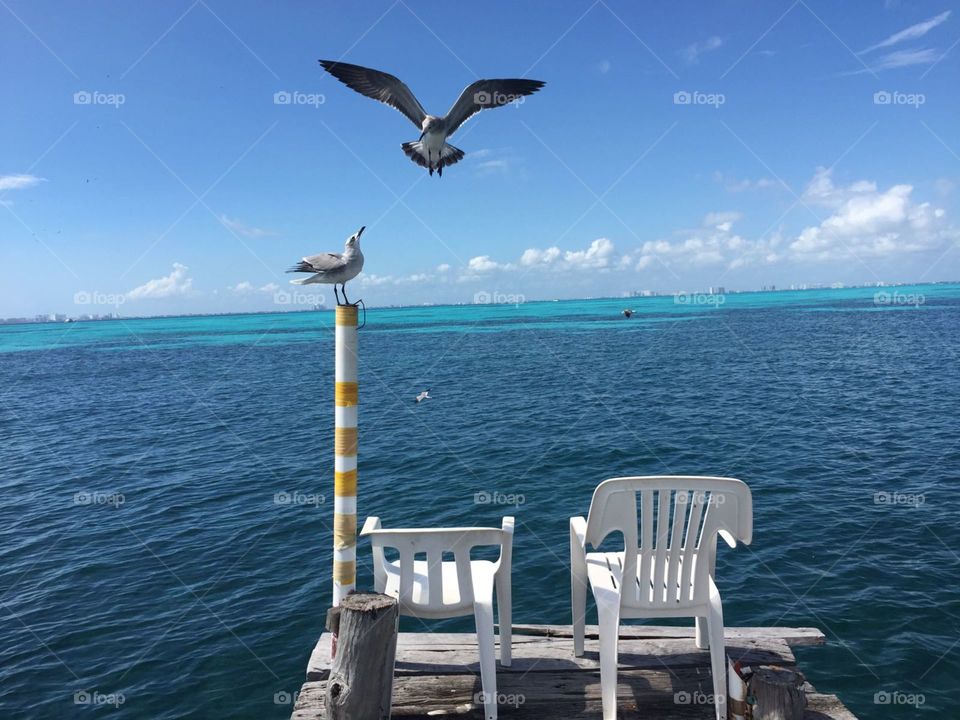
(345, 455)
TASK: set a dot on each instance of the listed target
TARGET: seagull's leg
(343, 286)
(440, 168)
(336, 294)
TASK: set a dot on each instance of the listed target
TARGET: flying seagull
(431, 150)
(333, 268)
(424, 395)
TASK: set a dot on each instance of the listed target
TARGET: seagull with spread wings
(431, 150)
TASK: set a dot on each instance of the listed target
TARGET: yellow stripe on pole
(346, 314)
(344, 573)
(346, 394)
(345, 441)
(344, 530)
(345, 483)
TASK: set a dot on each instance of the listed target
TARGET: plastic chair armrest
(371, 525)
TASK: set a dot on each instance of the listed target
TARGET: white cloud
(604, 67)
(245, 230)
(911, 33)
(241, 288)
(493, 161)
(19, 182)
(373, 280)
(176, 283)
(717, 219)
(868, 222)
(247, 288)
(482, 264)
(691, 53)
(598, 255)
(535, 256)
(899, 59)
(443, 268)
(863, 222)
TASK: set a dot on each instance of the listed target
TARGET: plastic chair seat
(482, 572)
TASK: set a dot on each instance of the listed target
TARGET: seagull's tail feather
(301, 266)
(306, 281)
(416, 152)
(451, 154)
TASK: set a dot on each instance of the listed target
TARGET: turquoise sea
(147, 569)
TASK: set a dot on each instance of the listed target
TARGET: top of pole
(347, 315)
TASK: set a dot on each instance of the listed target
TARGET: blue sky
(820, 144)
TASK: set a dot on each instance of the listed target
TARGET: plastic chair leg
(703, 638)
(483, 613)
(505, 618)
(578, 603)
(609, 618)
(718, 658)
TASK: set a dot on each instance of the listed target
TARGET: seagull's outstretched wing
(379, 86)
(318, 263)
(484, 94)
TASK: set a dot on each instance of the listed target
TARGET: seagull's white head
(353, 242)
(430, 123)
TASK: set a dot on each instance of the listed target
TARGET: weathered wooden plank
(419, 655)
(650, 695)
(795, 636)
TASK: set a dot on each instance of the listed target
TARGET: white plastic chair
(434, 588)
(667, 572)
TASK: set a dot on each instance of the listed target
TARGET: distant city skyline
(178, 157)
(481, 298)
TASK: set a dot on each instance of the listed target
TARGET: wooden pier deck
(663, 676)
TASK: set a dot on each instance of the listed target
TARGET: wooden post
(777, 693)
(361, 676)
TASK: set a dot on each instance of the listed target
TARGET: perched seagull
(425, 395)
(432, 150)
(333, 268)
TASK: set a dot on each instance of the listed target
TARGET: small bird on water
(425, 395)
(431, 150)
(333, 268)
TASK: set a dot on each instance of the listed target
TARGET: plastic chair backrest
(674, 544)
(434, 543)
